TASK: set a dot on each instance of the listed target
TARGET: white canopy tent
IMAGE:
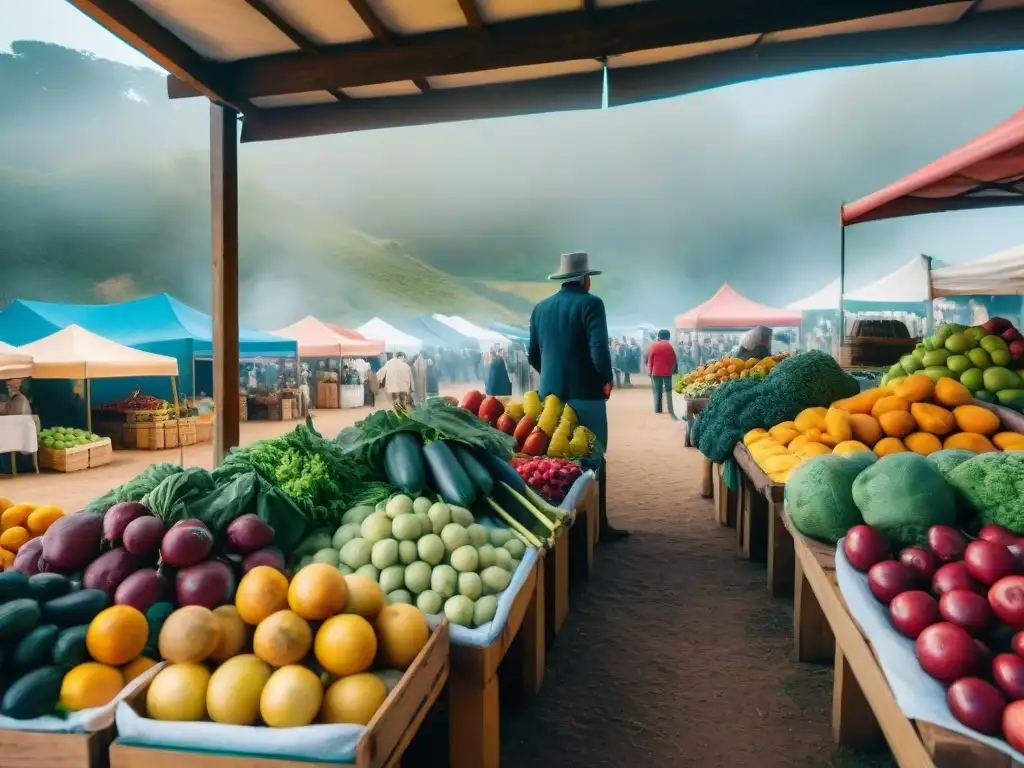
(394, 339)
(75, 353)
(485, 336)
(1001, 274)
(824, 298)
(14, 364)
(908, 284)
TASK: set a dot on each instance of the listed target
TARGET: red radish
(116, 519)
(946, 652)
(997, 535)
(953, 576)
(864, 547)
(1013, 725)
(248, 533)
(946, 543)
(921, 562)
(1008, 672)
(143, 535)
(210, 584)
(191, 522)
(988, 562)
(966, 609)
(976, 704)
(888, 579)
(1006, 599)
(912, 612)
(1017, 643)
(142, 589)
(185, 545)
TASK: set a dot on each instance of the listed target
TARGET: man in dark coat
(569, 348)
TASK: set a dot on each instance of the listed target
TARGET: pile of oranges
(729, 368)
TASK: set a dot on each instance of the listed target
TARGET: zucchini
(69, 650)
(155, 618)
(33, 695)
(36, 647)
(449, 478)
(476, 472)
(403, 463)
(45, 587)
(17, 618)
(13, 586)
(76, 608)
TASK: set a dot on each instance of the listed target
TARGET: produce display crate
(473, 701)
(385, 740)
(327, 394)
(35, 749)
(149, 436)
(288, 408)
(556, 584)
(171, 428)
(761, 531)
(583, 535)
(100, 453)
(864, 711)
(67, 460)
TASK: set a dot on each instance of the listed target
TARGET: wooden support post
(811, 631)
(781, 555)
(755, 525)
(534, 639)
(743, 499)
(224, 216)
(707, 479)
(473, 722)
(853, 722)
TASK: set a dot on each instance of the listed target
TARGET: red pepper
(523, 430)
(506, 424)
(536, 444)
(472, 400)
(491, 410)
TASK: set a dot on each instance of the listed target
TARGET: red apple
(921, 562)
(864, 546)
(988, 562)
(953, 576)
(912, 612)
(946, 652)
(1008, 673)
(1006, 598)
(976, 704)
(888, 579)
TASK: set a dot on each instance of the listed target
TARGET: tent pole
(88, 406)
(193, 376)
(929, 318)
(177, 420)
(842, 278)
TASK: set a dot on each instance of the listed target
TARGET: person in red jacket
(662, 364)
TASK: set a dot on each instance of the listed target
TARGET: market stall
(78, 354)
(488, 338)
(18, 434)
(394, 339)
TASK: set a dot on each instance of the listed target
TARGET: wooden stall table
(381, 745)
(556, 582)
(691, 407)
(864, 710)
(760, 528)
(26, 749)
(726, 500)
(473, 704)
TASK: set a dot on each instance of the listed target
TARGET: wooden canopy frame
(292, 68)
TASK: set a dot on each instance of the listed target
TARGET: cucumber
(69, 650)
(449, 478)
(13, 586)
(476, 472)
(36, 647)
(17, 618)
(155, 618)
(45, 587)
(74, 609)
(33, 695)
(403, 462)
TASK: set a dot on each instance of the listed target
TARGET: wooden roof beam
(472, 14)
(541, 40)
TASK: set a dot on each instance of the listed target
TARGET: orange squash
(932, 418)
(261, 592)
(317, 592)
(951, 393)
(915, 389)
(974, 418)
(890, 403)
(16, 515)
(923, 443)
(783, 435)
(117, 635)
(283, 638)
(889, 445)
(1008, 441)
(850, 446)
(863, 402)
(42, 518)
(814, 449)
(14, 538)
(837, 424)
(810, 418)
(797, 443)
(866, 428)
(970, 441)
(897, 423)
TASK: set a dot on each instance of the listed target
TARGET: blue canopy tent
(513, 332)
(158, 323)
(434, 333)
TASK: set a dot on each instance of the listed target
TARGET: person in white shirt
(17, 404)
(396, 378)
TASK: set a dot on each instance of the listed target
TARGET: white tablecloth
(18, 433)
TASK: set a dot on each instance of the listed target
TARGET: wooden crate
(189, 431)
(67, 460)
(582, 536)
(287, 409)
(761, 533)
(101, 453)
(171, 428)
(26, 749)
(149, 436)
(556, 584)
(327, 394)
(204, 431)
(382, 744)
(473, 702)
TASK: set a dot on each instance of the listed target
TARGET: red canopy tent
(729, 309)
(985, 172)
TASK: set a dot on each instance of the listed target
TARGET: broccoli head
(992, 484)
(717, 430)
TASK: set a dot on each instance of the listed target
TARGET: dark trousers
(662, 385)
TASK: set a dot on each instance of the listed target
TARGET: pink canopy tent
(319, 339)
(985, 172)
(729, 309)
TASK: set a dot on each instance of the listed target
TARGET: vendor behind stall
(755, 343)
(16, 404)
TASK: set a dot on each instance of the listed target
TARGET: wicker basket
(67, 460)
(149, 437)
(171, 433)
(141, 417)
(189, 432)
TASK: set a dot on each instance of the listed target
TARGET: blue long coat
(569, 345)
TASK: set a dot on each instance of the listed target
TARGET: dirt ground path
(674, 654)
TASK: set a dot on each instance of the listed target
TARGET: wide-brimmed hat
(573, 266)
